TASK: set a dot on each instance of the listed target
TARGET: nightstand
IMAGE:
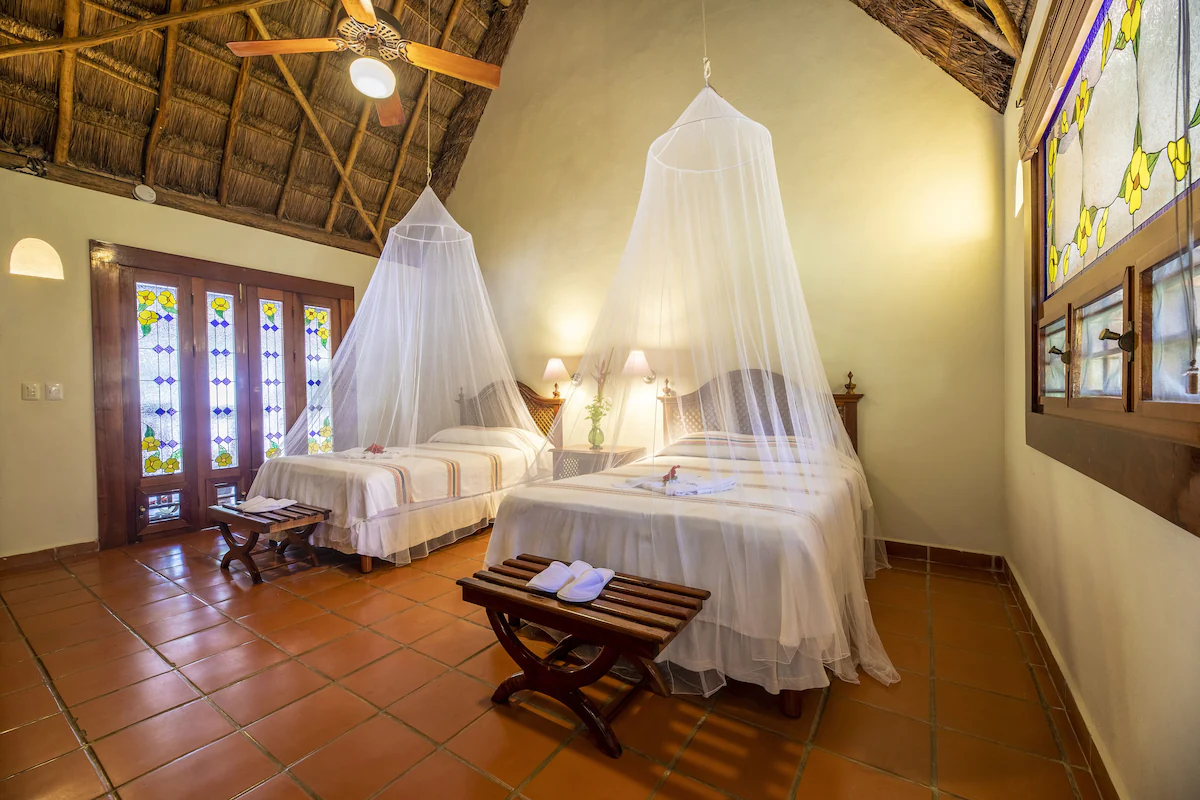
(573, 460)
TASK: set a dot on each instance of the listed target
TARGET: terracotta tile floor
(187, 682)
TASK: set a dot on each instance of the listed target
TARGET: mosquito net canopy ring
(703, 401)
(417, 413)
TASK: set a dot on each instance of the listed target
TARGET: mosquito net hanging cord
(781, 527)
(704, 34)
(428, 96)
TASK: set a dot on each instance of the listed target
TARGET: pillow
(746, 447)
(519, 438)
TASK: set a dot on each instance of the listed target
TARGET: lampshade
(556, 370)
(637, 364)
(36, 258)
(372, 77)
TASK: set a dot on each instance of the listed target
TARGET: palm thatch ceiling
(172, 107)
(976, 42)
(107, 94)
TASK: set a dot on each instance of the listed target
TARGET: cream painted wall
(1116, 589)
(48, 456)
(890, 175)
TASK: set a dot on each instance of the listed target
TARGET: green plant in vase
(600, 405)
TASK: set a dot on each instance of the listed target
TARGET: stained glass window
(1101, 362)
(1116, 149)
(270, 317)
(222, 381)
(158, 379)
(317, 358)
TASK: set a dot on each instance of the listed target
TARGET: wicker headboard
(685, 413)
(544, 410)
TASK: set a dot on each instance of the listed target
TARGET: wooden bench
(293, 524)
(633, 617)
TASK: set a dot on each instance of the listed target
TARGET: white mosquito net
(418, 408)
(703, 358)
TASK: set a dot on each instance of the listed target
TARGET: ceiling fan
(375, 36)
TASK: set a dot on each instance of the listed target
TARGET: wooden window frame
(112, 268)
(1147, 450)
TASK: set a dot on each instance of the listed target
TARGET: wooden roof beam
(66, 85)
(1008, 26)
(414, 118)
(235, 113)
(359, 131)
(165, 84)
(977, 25)
(313, 87)
(123, 31)
(316, 126)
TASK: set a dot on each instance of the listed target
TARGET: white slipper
(587, 587)
(557, 575)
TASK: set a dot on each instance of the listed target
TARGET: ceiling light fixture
(372, 77)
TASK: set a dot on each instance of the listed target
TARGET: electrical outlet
(31, 391)
(54, 391)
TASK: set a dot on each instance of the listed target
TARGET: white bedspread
(781, 554)
(358, 488)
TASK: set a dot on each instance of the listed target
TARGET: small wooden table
(295, 523)
(573, 460)
(633, 617)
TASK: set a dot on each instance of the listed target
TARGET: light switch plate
(31, 391)
(54, 391)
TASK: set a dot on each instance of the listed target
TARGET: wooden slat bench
(633, 617)
(294, 523)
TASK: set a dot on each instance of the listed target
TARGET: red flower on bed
(671, 476)
(375, 448)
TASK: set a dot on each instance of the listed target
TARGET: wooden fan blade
(274, 47)
(390, 110)
(456, 66)
(362, 11)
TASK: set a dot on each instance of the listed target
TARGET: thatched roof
(225, 136)
(963, 37)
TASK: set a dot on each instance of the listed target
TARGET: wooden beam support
(977, 25)
(411, 127)
(122, 31)
(314, 87)
(235, 113)
(465, 119)
(355, 143)
(316, 126)
(351, 157)
(122, 187)
(1008, 26)
(165, 85)
(66, 85)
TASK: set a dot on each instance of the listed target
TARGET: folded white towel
(586, 587)
(682, 486)
(257, 505)
(557, 575)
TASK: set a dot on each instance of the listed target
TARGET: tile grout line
(1062, 751)
(63, 709)
(238, 728)
(810, 743)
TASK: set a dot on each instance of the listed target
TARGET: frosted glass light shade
(372, 77)
(35, 258)
(637, 365)
(556, 370)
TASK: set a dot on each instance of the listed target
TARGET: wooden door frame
(111, 266)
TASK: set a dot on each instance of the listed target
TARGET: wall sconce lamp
(556, 371)
(1126, 341)
(1063, 357)
(637, 364)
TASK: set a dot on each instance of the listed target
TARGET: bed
(403, 503)
(803, 559)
